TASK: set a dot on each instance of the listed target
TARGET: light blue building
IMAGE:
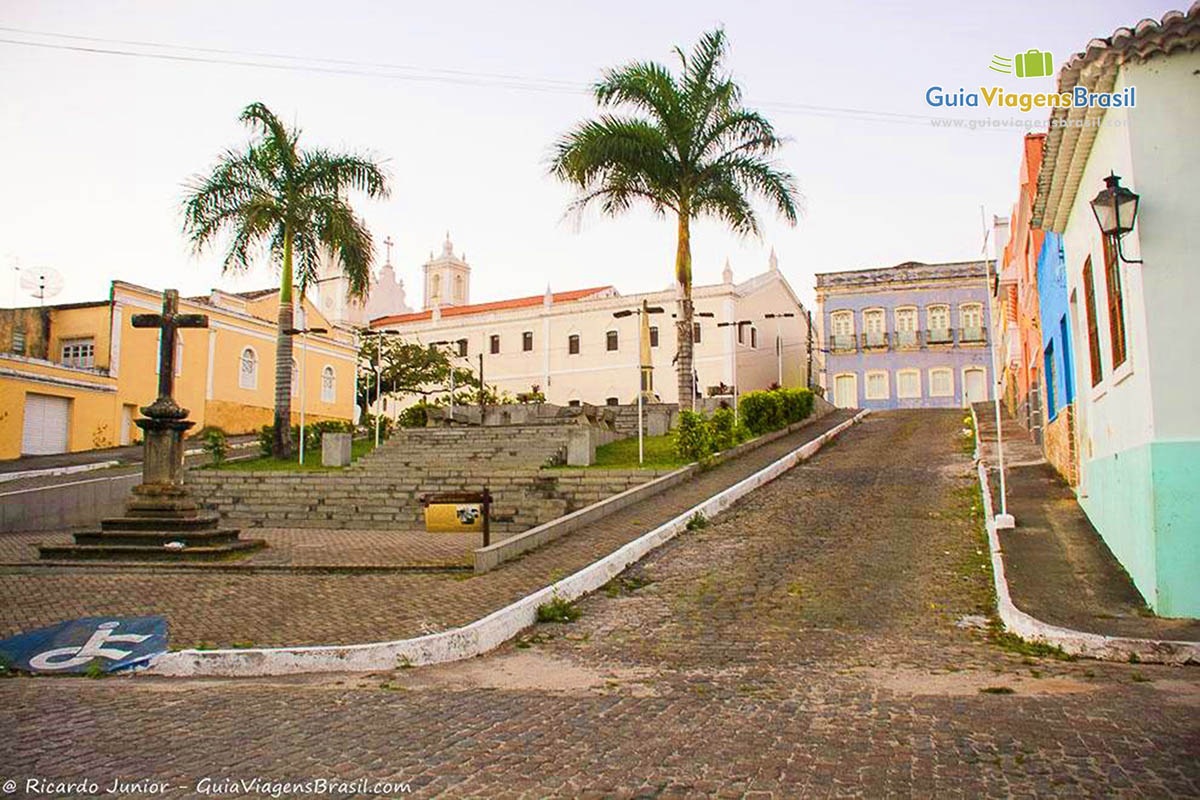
(910, 336)
(1058, 359)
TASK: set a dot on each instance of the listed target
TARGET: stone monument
(162, 519)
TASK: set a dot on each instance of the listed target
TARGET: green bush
(216, 445)
(761, 412)
(694, 437)
(414, 416)
(795, 404)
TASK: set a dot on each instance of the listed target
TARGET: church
(580, 344)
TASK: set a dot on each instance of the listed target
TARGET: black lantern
(1116, 210)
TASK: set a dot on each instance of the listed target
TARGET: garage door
(45, 429)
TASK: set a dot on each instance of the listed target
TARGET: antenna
(41, 282)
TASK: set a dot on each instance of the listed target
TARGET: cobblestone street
(809, 642)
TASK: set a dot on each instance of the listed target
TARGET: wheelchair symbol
(94, 647)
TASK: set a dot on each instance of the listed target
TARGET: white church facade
(573, 349)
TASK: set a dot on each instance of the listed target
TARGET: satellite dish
(41, 282)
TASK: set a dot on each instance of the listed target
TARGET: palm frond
(334, 173)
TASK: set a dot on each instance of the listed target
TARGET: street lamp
(779, 342)
(1116, 210)
(303, 363)
(645, 362)
(378, 373)
(444, 343)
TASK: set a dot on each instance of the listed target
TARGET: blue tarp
(112, 643)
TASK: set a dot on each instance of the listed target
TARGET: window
(941, 382)
(459, 288)
(877, 385)
(741, 335)
(906, 327)
(1116, 301)
(435, 288)
(938, 318)
(248, 369)
(653, 336)
(1068, 372)
(79, 353)
(1089, 295)
(696, 333)
(462, 347)
(18, 342)
(573, 344)
(494, 343)
(574, 403)
(873, 328)
(971, 315)
(329, 385)
(611, 341)
(753, 336)
(908, 383)
(841, 327)
(527, 341)
(1051, 375)
(612, 401)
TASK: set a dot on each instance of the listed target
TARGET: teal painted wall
(1120, 504)
(1176, 475)
(1146, 505)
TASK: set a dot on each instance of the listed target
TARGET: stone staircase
(518, 463)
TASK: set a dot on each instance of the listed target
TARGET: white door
(126, 425)
(976, 386)
(845, 391)
(45, 427)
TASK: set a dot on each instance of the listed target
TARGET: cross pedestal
(162, 519)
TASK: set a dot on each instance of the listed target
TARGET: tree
(291, 201)
(690, 148)
(410, 368)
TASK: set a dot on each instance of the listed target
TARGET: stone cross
(388, 244)
(169, 321)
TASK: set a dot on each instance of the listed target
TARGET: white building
(571, 347)
(1134, 326)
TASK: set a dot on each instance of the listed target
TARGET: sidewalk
(221, 609)
(1059, 570)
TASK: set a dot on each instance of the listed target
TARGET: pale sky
(96, 147)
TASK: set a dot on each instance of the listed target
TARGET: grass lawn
(312, 459)
(623, 454)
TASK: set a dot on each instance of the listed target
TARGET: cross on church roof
(388, 244)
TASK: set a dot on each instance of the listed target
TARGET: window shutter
(1089, 293)
(1116, 301)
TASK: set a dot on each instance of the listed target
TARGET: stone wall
(1059, 444)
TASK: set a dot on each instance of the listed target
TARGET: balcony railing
(972, 335)
(907, 340)
(845, 343)
(939, 336)
(872, 340)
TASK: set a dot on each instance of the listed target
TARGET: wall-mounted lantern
(1116, 210)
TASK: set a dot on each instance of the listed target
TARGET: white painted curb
(484, 634)
(1078, 643)
(51, 472)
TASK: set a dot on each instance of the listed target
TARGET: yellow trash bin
(450, 517)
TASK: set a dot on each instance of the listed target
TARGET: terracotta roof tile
(483, 308)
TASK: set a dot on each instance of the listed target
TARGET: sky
(97, 147)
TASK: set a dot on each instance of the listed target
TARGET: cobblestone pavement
(804, 644)
(273, 609)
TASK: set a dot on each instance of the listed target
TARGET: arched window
(435, 287)
(906, 327)
(841, 330)
(328, 385)
(971, 317)
(248, 369)
(938, 319)
(612, 341)
(573, 344)
(459, 288)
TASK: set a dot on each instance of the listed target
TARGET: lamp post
(303, 363)
(1116, 209)
(378, 369)
(645, 362)
(441, 343)
(779, 342)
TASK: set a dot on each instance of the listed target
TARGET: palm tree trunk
(282, 445)
(683, 274)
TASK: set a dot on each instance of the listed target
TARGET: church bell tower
(447, 278)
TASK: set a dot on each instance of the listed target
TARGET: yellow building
(73, 376)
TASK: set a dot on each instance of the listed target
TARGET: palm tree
(291, 201)
(691, 149)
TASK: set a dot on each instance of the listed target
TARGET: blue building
(1058, 359)
(910, 336)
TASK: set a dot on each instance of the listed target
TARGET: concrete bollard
(335, 449)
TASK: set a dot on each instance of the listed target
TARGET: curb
(484, 634)
(1076, 643)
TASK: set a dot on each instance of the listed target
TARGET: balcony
(874, 340)
(972, 335)
(939, 336)
(907, 340)
(846, 343)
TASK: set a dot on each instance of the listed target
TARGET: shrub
(266, 439)
(761, 412)
(216, 445)
(724, 429)
(694, 437)
(795, 404)
(414, 416)
(558, 609)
